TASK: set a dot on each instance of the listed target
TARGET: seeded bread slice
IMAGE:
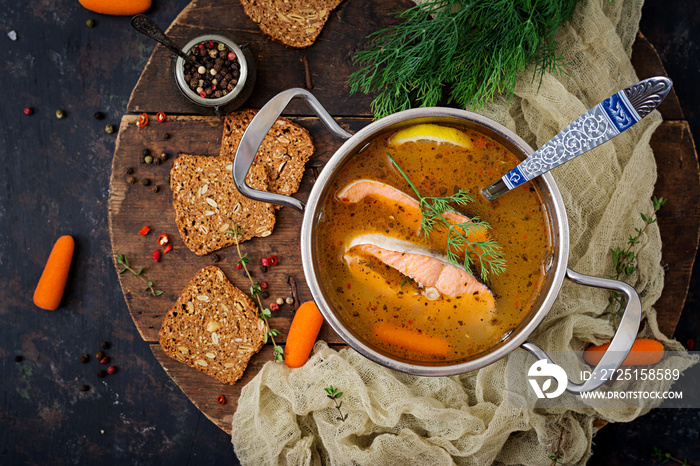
(283, 153)
(295, 23)
(207, 203)
(213, 327)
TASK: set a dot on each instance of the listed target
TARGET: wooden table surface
(57, 174)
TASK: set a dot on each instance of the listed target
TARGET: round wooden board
(132, 206)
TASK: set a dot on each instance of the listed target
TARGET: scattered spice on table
(131, 180)
(129, 170)
(148, 159)
(111, 369)
(109, 129)
(84, 359)
(60, 114)
(146, 182)
(143, 120)
(98, 115)
(101, 373)
(219, 73)
(166, 136)
(160, 117)
(105, 345)
(104, 360)
(19, 358)
(90, 23)
(144, 230)
(99, 355)
(163, 156)
(28, 110)
(84, 388)
(221, 399)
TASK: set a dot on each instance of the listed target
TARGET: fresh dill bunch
(476, 47)
(488, 253)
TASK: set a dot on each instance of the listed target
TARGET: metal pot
(557, 267)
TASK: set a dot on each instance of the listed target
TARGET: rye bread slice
(207, 203)
(295, 23)
(283, 153)
(213, 327)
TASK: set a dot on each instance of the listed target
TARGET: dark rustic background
(54, 176)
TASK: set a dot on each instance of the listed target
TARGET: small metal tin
(240, 92)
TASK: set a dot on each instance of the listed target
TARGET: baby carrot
(411, 340)
(302, 334)
(117, 7)
(644, 352)
(49, 290)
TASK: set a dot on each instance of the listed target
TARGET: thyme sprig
(256, 291)
(476, 47)
(664, 457)
(624, 260)
(334, 394)
(488, 253)
(122, 259)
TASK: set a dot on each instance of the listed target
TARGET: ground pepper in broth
(389, 309)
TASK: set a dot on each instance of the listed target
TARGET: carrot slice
(302, 334)
(49, 290)
(644, 352)
(117, 7)
(411, 340)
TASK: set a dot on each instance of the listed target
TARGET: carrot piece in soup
(413, 341)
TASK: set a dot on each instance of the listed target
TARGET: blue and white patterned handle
(603, 122)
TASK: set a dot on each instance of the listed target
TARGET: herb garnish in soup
(416, 261)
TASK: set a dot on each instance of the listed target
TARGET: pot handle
(622, 341)
(256, 132)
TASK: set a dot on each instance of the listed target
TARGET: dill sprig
(478, 47)
(488, 253)
(256, 291)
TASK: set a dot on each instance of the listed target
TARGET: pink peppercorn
(104, 360)
(274, 306)
(239, 266)
(28, 111)
(263, 285)
(231, 56)
(111, 370)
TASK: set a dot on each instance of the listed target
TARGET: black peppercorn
(145, 152)
(129, 170)
(101, 373)
(263, 268)
(215, 258)
(142, 159)
(105, 345)
(99, 355)
(85, 388)
(18, 358)
(156, 161)
(166, 136)
(265, 295)
(99, 115)
(155, 189)
(145, 182)
(84, 358)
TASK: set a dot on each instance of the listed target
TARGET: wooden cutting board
(132, 206)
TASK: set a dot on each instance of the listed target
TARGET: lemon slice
(433, 133)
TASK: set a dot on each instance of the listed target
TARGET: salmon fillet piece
(424, 266)
(360, 189)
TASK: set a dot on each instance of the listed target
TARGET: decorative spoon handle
(147, 27)
(603, 122)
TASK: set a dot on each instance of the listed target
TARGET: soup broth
(397, 314)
